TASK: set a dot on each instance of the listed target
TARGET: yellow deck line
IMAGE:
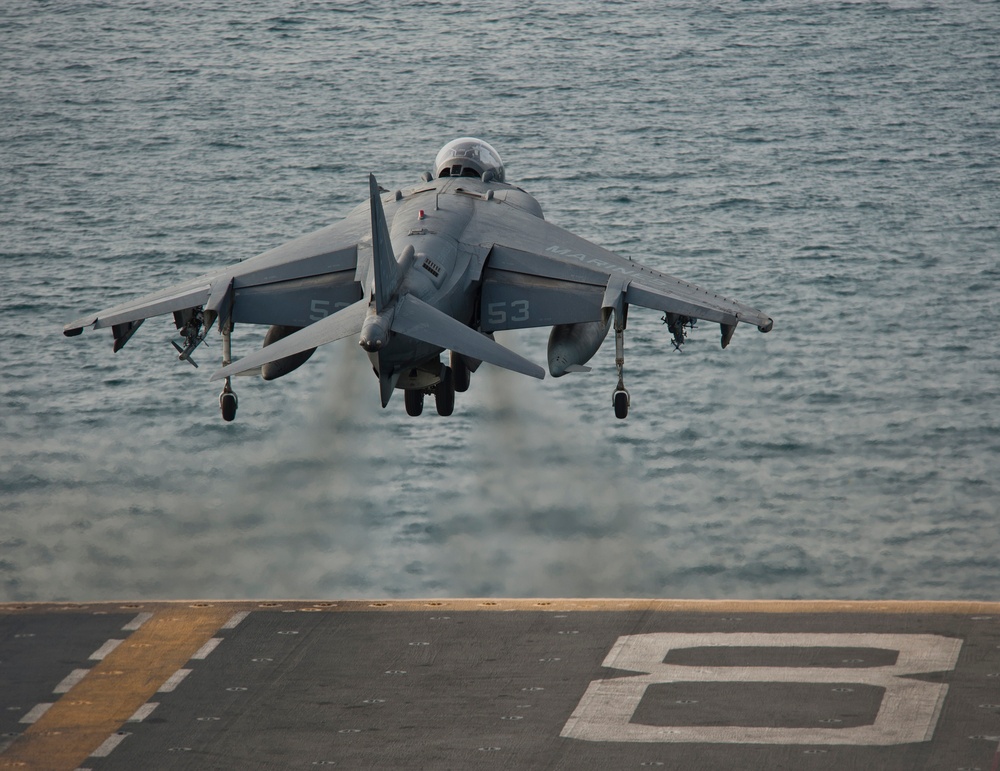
(96, 707)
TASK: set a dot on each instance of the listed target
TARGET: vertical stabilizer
(386, 269)
(387, 380)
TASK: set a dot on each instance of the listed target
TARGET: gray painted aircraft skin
(414, 273)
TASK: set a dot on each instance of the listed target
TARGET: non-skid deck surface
(497, 684)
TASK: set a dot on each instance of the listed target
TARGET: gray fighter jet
(413, 273)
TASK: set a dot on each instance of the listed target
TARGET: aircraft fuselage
(437, 267)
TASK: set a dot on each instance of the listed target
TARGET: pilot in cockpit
(469, 157)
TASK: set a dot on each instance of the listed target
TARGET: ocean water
(834, 164)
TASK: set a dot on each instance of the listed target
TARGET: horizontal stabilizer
(415, 318)
(336, 327)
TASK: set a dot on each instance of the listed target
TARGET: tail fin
(387, 380)
(386, 269)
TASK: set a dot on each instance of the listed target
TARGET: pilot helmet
(468, 157)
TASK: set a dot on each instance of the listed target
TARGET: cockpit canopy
(468, 157)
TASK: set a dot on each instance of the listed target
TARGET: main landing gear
(414, 399)
(461, 372)
(444, 394)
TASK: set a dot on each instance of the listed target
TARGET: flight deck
(498, 684)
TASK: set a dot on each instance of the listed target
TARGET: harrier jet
(413, 273)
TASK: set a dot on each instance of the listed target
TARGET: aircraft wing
(295, 284)
(538, 274)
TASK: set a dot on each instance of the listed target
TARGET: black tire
(414, 400)
(460, 370)
(444, 393)
(228, 405)
(621, 405)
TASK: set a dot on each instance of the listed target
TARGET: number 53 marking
(321, 309)
(497, 313)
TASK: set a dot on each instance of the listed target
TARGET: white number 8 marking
(909, 711)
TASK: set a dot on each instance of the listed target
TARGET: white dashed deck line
(109, 744)
(235, 620)
(137, 622)
(35, 712)
(70, 680)
(207, 648)
(143, 712)
(174, 680)
(105, 649)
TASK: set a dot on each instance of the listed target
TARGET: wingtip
(76, 326)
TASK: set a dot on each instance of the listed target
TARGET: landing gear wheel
(228, 403)
(444, 393)
(461, 370)
(622, 401)
(414, 400)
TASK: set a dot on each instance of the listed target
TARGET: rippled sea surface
(834, 164)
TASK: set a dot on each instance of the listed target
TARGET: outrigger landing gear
(227, 399)
(621, 398)
(228, 403)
